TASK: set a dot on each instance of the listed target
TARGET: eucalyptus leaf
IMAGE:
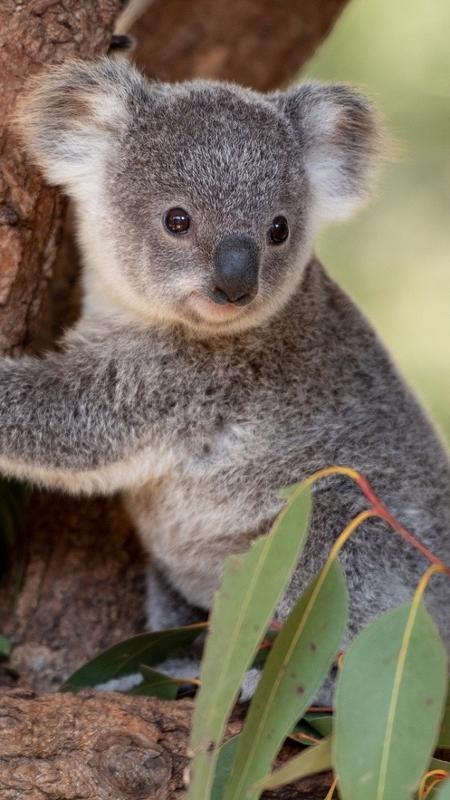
(296, 667)
(5, 646)
(243, 607)
(265, 647)
(444, 734)
(443, 793)
(156, 684)
(126, 657)
(310, 762)
(223, 767)
(389, 700)
(305, 733)
(443, 766)
(322, 723)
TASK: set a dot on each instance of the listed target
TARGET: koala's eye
(279, 230)
(177, 220)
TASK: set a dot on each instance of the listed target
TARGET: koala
(215, 360)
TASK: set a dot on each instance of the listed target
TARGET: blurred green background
(394, 258)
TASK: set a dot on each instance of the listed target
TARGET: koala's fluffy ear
(340, 135)
(73, 113)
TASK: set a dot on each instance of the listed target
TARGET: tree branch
(34, 34)
(258, 43)
(99, 746)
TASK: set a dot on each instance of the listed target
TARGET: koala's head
(198, 202)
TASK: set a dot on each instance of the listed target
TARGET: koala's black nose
(236, 263)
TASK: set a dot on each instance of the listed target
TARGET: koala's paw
(180, 668)
(324, 696)
(177, 667)
(121, 684)
(249, 684)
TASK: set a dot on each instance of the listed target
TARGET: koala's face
(198, 202)
(208, 206)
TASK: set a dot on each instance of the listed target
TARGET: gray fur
(200, 420)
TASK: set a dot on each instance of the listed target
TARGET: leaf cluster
(391, 706)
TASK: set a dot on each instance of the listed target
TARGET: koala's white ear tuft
(340, 136)
(73, 113)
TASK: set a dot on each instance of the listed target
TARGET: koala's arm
(79, 420)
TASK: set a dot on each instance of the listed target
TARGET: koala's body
(215, 361)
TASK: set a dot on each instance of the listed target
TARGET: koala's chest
(209, 503)
(205, 475)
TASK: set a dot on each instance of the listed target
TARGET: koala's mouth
(211, 311)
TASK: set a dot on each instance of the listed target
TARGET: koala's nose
(236, 266)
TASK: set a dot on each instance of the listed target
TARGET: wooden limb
(32, 34)
(82, 590)
(81, 573)
(99, 746)
(258, 43)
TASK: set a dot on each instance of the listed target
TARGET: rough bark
(259, 43)
(101, 746)
(33, 34)
(82, 589)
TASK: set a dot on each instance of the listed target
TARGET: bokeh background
(394, 258)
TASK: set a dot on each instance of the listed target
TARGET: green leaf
(389, 701)
(223, 767)
(444, 735)
(156, 684)
(288, 491)
(310, 762)
(322, 723)
(443, 793)
(295, 669)
(127, 657)
(305, 734)
(252, 586)
(443, 766)
(5, 646)
(263, 651)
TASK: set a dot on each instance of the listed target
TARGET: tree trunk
(77, 584)
(82, 589)
(100, 746)
(33, 34)
(258, 43)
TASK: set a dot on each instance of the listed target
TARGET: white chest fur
(203, 508)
